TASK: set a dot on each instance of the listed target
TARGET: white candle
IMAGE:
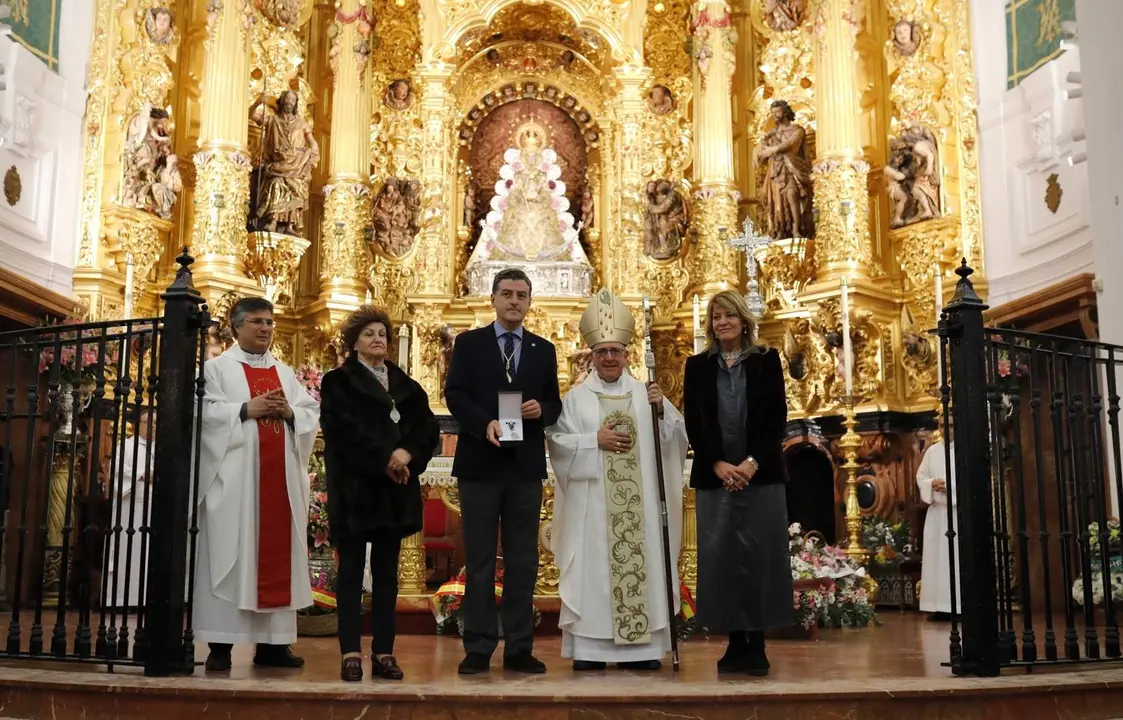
(403, 345)
(367, 300)
(697, 314)
(847, 361)
(939, 273)
(128, 286)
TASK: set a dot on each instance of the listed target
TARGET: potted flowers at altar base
(893, 564)
(447, 603)
(323, 566)
(829, 589)
(1114, 552)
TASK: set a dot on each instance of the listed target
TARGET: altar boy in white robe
(937, 489)
(607, 532)
(251, 572)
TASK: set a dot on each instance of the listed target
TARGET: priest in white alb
(607, 534)
(251, 571)
(937, 490)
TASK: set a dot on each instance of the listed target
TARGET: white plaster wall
(1025, 135)
(41, 123)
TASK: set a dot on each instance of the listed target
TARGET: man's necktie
(509, 355)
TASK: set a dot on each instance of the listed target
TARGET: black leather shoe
(278, 656)
(474, 663)
(588, 666)
(640, 665)
(524, 662)
(218, 660)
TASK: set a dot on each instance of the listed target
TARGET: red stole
(274, 516)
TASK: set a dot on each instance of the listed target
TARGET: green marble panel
(35, 25)
(1033, 35)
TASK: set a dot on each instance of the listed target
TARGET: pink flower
(1004, 367)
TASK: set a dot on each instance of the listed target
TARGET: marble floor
(879, 672)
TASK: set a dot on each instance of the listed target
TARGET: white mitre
(607, 319)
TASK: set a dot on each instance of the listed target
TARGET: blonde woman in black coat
(736, 412)
(379, 435)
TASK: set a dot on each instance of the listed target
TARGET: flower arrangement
(841, 597)
(1115, 565)
(318, 529)
(448, 602)
(310, 378)
(75, 370)
(888, 542)
(1007, 368)
(1113, 536)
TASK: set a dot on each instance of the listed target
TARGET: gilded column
(222, 164)
(347, 195)
(436, 237)
(627, 262)
(839, 176)
(716, 197)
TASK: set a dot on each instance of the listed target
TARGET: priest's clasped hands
(272, 404)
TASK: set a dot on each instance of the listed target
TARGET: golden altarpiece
(655, 113)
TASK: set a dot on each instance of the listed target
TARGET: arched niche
(812, 497)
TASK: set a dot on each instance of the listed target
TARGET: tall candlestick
(403, 345)
(128, 286)
(847, 360)
(367, 299)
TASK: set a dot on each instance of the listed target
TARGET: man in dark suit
(501, 485)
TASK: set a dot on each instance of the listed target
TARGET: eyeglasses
(609, 352)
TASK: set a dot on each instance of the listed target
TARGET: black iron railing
(98, 431)
(1034, 534)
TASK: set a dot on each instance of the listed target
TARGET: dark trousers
(514, 503)
(384, 592)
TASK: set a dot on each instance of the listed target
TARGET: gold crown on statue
(607, 319)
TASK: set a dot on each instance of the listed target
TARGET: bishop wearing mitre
(251, 572)
(607, 535)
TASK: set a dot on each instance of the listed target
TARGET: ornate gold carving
(865, 340)
(13, 186)
(787, 267)
(222, 196)
(919, 349)
(138, 235)
(343, 253)
(923, 245)
(809, 366)
(715, 221)
(273, 259)
(663, 46)
(786, 66)
(688, 556)
(411, 566)
(713, 38)
(1053, 192)
(548, 573)
(668, 139)
(426, 360)
(842, 202)
(277, 51)
(672, 347)
(97, 84)
(917, 78)
(398, 43)
(145, 64)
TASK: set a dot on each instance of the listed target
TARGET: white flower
(511, 156)
(507, 172)
(548, 156)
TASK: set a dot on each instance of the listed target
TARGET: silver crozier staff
(649, 360)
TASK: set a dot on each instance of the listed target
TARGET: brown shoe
(352, 669)
(386, 668)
